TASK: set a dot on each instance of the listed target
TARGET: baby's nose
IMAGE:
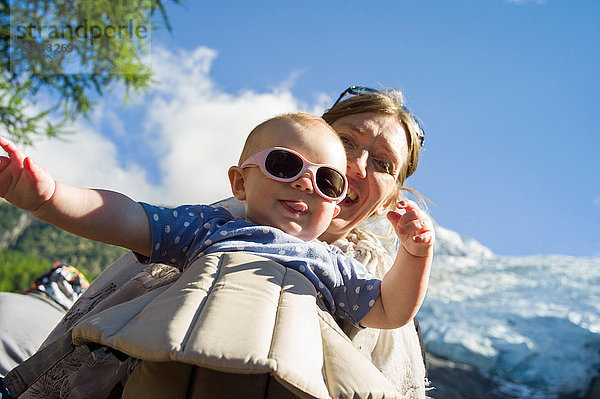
(304, 183)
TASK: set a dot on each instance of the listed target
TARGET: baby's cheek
(324, 216)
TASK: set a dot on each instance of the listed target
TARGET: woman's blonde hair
(388, 102)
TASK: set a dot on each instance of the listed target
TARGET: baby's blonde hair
(302, 118)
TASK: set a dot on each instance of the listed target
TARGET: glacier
(530, 323)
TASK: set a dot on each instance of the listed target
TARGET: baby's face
(294, 207)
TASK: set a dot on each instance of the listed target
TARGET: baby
(290, 179)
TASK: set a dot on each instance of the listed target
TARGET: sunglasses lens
(283, 164)
(362, 90)
(330, 182)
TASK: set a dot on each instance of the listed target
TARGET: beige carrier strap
(235, 313)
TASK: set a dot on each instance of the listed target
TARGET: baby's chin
(303, 235)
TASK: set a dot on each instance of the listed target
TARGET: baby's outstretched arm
(99, 215)
(404, 286)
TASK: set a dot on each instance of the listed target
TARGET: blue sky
(508, 92)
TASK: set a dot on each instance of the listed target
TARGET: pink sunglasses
(285, 165)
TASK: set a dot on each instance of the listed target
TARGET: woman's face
(377, 150)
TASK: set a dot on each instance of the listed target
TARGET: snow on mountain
(451, 243)
(532, 323)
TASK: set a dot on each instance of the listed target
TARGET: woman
(382, 140)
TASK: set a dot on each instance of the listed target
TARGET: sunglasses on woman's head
(358, 90)
(285, 165)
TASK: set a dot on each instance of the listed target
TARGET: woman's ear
(237, 182)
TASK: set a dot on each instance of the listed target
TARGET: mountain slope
(28, 247)
(531, 323)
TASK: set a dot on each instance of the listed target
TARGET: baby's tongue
(298, 206)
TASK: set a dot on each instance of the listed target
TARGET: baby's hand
(413, 227)
(23, 183)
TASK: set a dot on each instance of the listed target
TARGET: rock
(594, 389)
(452, 380)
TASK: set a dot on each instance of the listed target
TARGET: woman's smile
(352, 196)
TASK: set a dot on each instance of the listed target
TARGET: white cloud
(195, 130)
(200, 130)
(87, 159)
